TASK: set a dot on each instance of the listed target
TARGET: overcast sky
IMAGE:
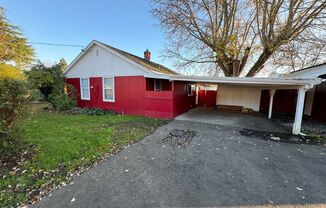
(125, 24)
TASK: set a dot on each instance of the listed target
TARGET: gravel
(179, 137)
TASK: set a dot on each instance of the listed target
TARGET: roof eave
(248, 81)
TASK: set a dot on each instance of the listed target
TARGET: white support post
(299, 111)
(271, 98)
(197, 90)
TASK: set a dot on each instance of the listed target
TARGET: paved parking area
(254, 121)
(219, 167)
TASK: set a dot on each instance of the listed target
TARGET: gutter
(246, 80)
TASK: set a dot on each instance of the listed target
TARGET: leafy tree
(13, 94)
(51, 83)
(63, 64)
(44, 78)
(11, 72)
(13, 46)
(235, 36)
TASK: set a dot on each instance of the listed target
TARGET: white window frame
(103, 90)
(192, 91)
(155, 87)
(81, 89)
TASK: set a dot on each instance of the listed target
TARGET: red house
(108, 78)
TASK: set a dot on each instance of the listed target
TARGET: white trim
(103, 90)
(247, 80)
(299, 111)
(81, 89)
(271, 98)
(192, 92)
(308, 73)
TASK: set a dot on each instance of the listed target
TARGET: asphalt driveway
(220, 167)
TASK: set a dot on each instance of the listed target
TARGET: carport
(232, 92)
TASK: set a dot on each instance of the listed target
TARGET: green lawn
(62, 143)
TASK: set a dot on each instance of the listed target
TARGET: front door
(95, 84)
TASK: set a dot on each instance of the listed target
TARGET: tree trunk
(259, 63)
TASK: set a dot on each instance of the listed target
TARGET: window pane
(84, 83)
(108, 94)
(86, 93)
(108, 83)
(158, 84)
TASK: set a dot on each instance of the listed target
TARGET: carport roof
(249, 81)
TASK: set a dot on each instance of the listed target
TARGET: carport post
(271, 98)
(299, 111)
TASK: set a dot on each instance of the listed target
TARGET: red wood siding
(159, 104)
(284, 101)
(318, 108)
(131, 97)
(129, 94)
(207, 98)
(182, 102)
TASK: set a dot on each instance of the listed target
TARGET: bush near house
(50, 82)
(59, 144)
(14, 94)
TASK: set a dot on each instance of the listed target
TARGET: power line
(57, 44)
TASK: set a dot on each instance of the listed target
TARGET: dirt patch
(282, 137)
(14, 157)
(179, 138)
(309, 126)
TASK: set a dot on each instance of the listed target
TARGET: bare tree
(238, 36)
(307, 50)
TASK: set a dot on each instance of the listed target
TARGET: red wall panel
(318, 108)
(129, 94)
(284, 101)
(181, 101)
(159, 104)
(207, 98)
(132, 98)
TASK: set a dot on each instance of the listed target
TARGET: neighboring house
(315, 100)
(109, 78)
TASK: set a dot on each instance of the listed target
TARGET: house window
(158, 85)
(84, 89)
(190, 89)
(108, 89)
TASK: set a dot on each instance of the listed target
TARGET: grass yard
(59, 144)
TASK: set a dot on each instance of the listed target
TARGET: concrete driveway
(254, 121)
(219, 167)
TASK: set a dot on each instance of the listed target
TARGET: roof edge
(247, 80)
(96, 42)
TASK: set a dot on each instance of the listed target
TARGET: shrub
(13, 95)
(60, 100)
(44, 78)
(89, 111)
(51, 84)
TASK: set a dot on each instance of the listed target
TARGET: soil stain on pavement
(282, 137)
(179, 137)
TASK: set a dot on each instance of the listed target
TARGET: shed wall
(247, 97)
